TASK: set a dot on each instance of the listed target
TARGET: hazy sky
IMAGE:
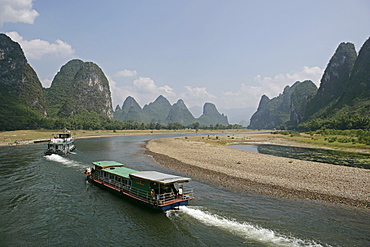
(227, 52)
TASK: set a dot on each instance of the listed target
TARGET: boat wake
(65, 161)
(242, 229)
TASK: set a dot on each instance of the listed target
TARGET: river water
(46, 201)
(311, 154)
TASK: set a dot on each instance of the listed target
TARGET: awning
(159, 177)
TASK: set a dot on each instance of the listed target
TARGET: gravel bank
(259, 173)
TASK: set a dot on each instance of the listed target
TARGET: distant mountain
(263, 102)
(302, 94)
(61, 86)
(243, 123)
(273, 113)
(131, 110)
(350, 107)
(239, 115)
(157, 111)
(356, 93)
(18, 80)
(196, 111)
(179, 113)
(89, 91)
(161, 111)
(211, 116)
(285, 109)
(341, 102)
(333, 81)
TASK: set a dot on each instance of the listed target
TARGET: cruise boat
(62, 143)
(154, 189)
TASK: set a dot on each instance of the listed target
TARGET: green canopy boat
(154, 189)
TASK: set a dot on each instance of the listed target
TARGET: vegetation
(344, 136)
(323, 136)
(14, 115)
(343, 122)
(59, 91)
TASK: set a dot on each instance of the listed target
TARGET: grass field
(318, 140)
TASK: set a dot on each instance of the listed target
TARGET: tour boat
(154, 189)
(62, 143)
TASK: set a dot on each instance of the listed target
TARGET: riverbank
(201, 158)
(25, 137)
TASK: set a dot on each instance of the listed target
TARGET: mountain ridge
(160, 111)
(80, 92)
(341, 102)
(18, 78)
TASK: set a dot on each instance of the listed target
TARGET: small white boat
(62, 143)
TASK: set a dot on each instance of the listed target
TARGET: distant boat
(62, 143)
(154, 189)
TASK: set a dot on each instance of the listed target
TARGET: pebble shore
(264, 174)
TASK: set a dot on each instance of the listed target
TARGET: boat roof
(159, 177)
(106, 164)
(121, 171)
(118, 169)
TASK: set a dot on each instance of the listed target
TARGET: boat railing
(166, 197)
(126, 187)
(187, 193)
(140, 193)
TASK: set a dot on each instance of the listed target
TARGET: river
(334, 157)
(46, 201)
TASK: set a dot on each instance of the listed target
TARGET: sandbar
(264, 174)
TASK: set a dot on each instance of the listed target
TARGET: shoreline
(26, 137)
(259, 173)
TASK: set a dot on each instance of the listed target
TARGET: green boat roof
(120, 171)
(115, 168)
(106, 164)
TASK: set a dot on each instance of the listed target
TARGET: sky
(226, 52)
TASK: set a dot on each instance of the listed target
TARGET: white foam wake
(64, 161)
(244, 229)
